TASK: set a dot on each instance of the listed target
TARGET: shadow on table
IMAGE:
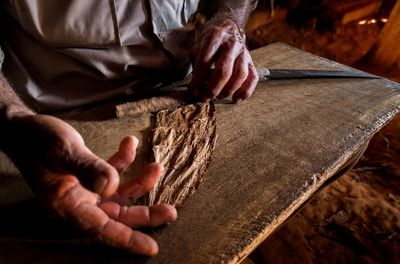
(29, 235)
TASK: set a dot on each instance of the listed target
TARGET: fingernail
(135, 140)
(100, 184)
(173, 214)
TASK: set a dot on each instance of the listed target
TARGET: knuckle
(212, 36)
(231, 44)
(254, 80)
(215, 32)
(224, 72)
(239, 46)
(242, 75)
(253, 77)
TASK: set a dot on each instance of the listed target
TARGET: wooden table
(273, 153)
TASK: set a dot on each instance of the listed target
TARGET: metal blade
(284, 74)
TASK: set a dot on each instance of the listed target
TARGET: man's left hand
(222, 44)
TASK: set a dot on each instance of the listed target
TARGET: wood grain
(273, 153)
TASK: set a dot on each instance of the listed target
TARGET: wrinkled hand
(222, 44)
(81, 187)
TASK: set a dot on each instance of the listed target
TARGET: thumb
(93, 172)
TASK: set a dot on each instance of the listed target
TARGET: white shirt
(66, 53)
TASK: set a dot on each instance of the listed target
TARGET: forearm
(10, 103)
(237, 10)
(11, 106)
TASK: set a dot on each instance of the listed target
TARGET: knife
(180, 97)
(266, 74)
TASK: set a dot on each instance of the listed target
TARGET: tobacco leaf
(183, 141)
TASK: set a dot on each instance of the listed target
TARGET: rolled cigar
(153, 104)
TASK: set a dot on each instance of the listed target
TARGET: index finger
(208, 49)
(142, 184)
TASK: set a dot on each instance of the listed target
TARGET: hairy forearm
(10, 103)
(237, 10)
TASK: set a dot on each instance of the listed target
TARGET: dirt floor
(356, 218)
(345, 43)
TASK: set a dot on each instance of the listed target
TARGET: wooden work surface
(273, 152)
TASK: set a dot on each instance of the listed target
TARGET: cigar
(153, 104)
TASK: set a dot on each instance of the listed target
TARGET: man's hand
(222, 65)
(81, 187)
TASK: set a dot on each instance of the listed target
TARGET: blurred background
(340, 30)
(356, 218)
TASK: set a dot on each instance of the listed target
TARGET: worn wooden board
(273, 152)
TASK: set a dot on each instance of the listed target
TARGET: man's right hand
(81, 187)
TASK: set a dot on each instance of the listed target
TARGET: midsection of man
(63, 54)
